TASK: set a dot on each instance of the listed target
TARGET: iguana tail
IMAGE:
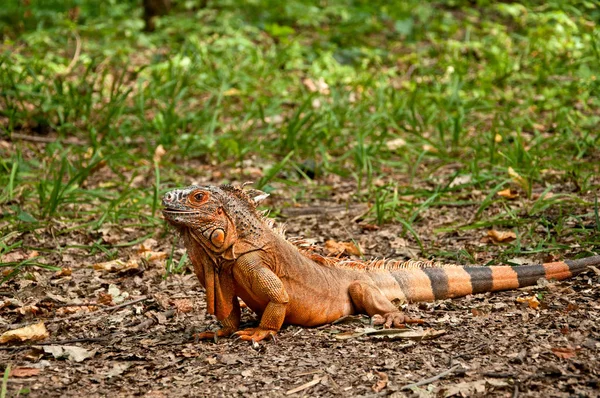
(428, 284)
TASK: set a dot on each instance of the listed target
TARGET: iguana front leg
(259, 281)
(367, 298)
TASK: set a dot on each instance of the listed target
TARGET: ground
(503, 344)
(453, 130)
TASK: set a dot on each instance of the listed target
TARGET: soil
(135, 327)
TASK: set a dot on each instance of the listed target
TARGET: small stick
(304, 386)
(431, 379)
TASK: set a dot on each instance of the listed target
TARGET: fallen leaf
(183, 305)
(396, 143)
(532, 301)
(430, 148)
(73, 309)
(460, 180)
(116, 265)
(319, 86)
(518, 179)
(153, 256)
(337, 248)
(508, 193)
(117, 295)
(66, 271)
(564, 352)
(117, 369)
(35, 332)
(501, 236)
(381, 383)
(70, 352)
(24, 372)
(104, 298)
(466, 389)
(159, 152)
(28, 309)
(231, 92)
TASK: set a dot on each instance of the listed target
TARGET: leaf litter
(134, 330)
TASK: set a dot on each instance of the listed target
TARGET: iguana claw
(255, 334)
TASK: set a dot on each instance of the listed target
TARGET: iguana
(237, 252)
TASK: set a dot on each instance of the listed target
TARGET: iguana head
(215, 216)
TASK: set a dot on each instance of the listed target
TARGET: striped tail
(428, 284)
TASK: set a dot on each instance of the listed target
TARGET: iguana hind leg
(367, 298)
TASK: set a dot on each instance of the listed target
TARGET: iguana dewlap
(236, 252)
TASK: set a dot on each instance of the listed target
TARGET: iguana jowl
(236, 252)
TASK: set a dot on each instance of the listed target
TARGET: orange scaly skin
(236, 252)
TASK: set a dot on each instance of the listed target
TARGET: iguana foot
(395, 319)
(255, 334)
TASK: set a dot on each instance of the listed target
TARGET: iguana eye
(198, 197)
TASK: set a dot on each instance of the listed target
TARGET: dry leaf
(337, 248)
(76, 309)
(465, 389)
(430, 148)
(116, 265)
(316, 86)
(153, 256)
(24, 372)
(231, 92)
(35, 332)
(501, 236)
(28, 309)
(396, 143)
(564, 352)
(518, 179)
(63, 272)
(183, 305)
(532, 301)
(508, 193)
(70, 352)
(381, 383)
(104, 298)
(159, 152)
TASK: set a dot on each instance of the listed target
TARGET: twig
(498, 375)
(304, 386)
(516, 391)
(43, 140)
(80, 315)
(32, 138)
(431, 379)
(151, 321)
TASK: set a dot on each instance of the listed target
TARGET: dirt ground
(134, 329)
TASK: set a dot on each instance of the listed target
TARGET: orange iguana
(236, 252)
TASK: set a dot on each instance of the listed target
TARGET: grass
(424, 105)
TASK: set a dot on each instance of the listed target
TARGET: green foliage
(478, 87)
